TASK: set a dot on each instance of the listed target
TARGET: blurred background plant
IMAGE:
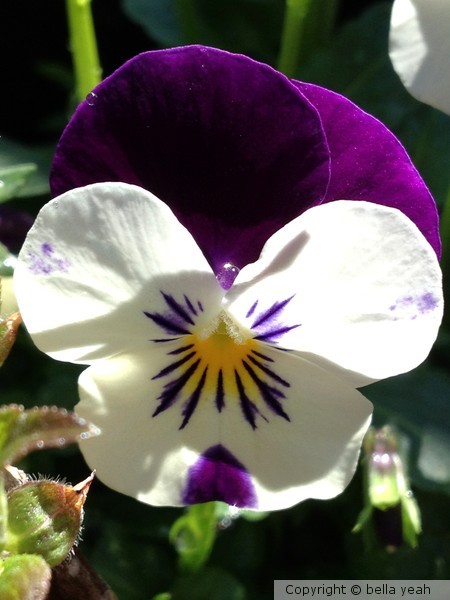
(215, 552)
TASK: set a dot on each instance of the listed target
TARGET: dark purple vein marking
(220, 392)
(268, 393)
(173, 366)
(272, 334)
(177, 308)
(252, 309)
(190, 306)
(172, 389)
(248, 407)
(178, 319)
(181, 349)
(166, 324)
(264, 356)
(269, 372)
(271, 312)
(191, 404)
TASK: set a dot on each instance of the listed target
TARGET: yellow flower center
(220, 363)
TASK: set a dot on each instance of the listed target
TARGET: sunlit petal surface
(351, 282)
(95, 260)
(419, 47)
(244, 452)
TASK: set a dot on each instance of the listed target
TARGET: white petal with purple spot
(156, 457)
(354, 286)
(96, 259)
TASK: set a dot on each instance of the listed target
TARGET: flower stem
(83, 45)
(307, 25)
(295, 18)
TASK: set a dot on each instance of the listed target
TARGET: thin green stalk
(294, 28)
(83, 45)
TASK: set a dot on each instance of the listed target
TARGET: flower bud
(45, 517)
(391, 514)
(24, 576)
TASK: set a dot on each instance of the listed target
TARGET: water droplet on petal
(227, 275)
(91, 98)
(40, 444)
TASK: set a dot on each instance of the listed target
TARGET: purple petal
(229, 143)
(369, 163)
(218, 475)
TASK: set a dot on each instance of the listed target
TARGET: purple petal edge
(219, 476)
(369, 163)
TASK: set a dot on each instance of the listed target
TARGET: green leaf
(23, 431)
(193, 535)
(24, 577)
(13, 155)
(13, 179)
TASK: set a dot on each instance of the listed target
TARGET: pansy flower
(419, 47)
(233, 254)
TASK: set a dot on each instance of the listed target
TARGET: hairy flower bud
(45, 517)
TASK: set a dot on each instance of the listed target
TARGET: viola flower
(419, 49)
(199, 258)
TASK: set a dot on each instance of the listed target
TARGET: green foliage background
(127, 542)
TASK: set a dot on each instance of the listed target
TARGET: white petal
(95, 260)
(314, 454)
(419, 47)
(353, 286)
